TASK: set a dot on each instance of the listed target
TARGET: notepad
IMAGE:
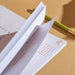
(30, 44)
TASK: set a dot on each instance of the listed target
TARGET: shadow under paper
(68, 19)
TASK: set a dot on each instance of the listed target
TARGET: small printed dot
(8, 32)
(2, 28)
(5, 30)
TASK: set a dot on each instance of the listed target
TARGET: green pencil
(59, 24)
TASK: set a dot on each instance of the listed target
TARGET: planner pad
(27, 60)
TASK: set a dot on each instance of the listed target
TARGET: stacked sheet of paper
(31, 47)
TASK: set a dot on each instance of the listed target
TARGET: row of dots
(4, 29)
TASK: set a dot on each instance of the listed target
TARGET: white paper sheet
(48, 49)
(22, 36)
(33, 50)
(28, 50)
(9, 21)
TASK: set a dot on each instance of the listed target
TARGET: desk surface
(64, 62)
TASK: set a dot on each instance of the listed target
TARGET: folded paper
(29, 45)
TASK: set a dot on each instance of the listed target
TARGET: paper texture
(37, 46)
(48, 49)
(21, 37)
(19, 64)
(9, 21)
(30, 48)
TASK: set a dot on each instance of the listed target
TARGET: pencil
(59, 24)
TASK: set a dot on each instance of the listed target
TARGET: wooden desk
(64, 62)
